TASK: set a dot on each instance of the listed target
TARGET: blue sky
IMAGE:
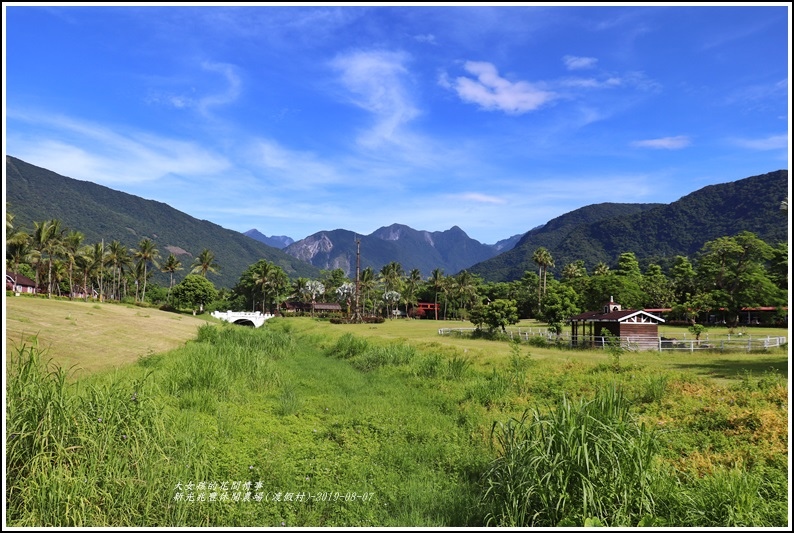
(297, 119)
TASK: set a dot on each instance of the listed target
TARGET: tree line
(727, 274)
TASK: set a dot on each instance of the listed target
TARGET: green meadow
(305, 423)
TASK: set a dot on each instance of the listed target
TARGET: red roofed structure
(635, 328)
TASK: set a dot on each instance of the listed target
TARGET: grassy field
(309, 424)
(90, 336)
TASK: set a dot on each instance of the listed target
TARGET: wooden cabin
(637, 329)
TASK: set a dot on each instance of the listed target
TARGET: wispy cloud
(495, 93)
(664, 143)
(116, 155)
(773, 142)
(284, 168)
(229, 93)
(579, 63)
(592, 83)
(376, 82)
(428, 38)
(477, 197)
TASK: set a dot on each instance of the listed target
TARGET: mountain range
(451, 250)
(594, 233)
(276, 241)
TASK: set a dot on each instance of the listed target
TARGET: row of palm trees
(57, 254)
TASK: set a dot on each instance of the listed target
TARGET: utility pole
(357, 313)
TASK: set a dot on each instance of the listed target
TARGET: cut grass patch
(87, 337)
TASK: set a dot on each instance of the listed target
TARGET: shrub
(577, 462)
(348, 346)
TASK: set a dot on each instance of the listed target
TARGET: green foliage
(697, 330)
(457, 367)
(347, 346)
(613, 347)
(95, 456)
(496, 315)
(194, 292)
(578, 461)
(731, 270)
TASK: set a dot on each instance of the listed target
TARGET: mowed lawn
(485, 354)
(87, 337)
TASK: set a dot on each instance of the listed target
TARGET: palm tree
(205, 262)
(542, 258)
(47, 241)
(366, 283)
(118, 257)
(278, 285)
(71, 248)
(391, 275)
(83, 265)
(262, 276)
(146, 253)
(411, 287)
(437, 283)
(465, 287)
(18, 251)
(601, 269)
(171, 265)
(573, 270)
(97, 259)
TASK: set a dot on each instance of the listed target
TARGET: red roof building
(636, 328)
(20, 283)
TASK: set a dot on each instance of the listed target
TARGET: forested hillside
(655, 234)
(35, 194)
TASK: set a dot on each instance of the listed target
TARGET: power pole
(357, 313)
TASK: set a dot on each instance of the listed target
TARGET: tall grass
(92, 457)
(299, 412)
(578, 461)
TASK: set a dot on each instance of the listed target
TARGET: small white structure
(244, 318)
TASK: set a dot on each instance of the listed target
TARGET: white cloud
(591, 83)
(182, 100)
(478, 198)
(87, 151)
(773, 142)
(376, 81)
(666, 143)
(291, 169)
(426, 38)
(578, 63)
(232, 91)
(492, 92)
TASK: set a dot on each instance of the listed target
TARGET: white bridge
(255, 319)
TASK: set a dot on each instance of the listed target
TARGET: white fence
(735, 342)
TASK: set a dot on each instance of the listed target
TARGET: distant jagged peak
(277, 241)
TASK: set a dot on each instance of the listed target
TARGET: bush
(348, 346)
(581, 461)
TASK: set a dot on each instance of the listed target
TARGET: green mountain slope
(35, 194)
(655, 232)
